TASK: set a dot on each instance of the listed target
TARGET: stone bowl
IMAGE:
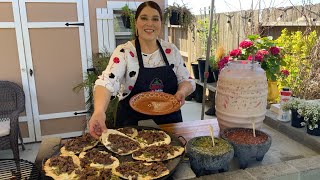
(244, 151)
(203, 161)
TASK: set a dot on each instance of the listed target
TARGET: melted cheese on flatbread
(104, 140)
(50, 171)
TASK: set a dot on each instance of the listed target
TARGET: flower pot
(126, 21)
(202, 65)
(241, 95)
(297, 120)
(273, 92)
(195, 69)
(205, 159)
(174, 18)
(216, 75)
(245, 145)
(198, 93)
(315, 131)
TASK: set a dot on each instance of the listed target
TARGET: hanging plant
(179, 15)
(126, 13)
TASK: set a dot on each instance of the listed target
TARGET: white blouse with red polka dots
(122, 71)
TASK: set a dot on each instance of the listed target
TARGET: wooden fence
(234, 27)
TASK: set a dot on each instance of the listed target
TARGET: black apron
(149, 79)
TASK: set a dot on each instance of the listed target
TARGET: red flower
(130, 88)
(274, 50)
(131, 53)
(246, 44)
(235, 53)
(116, 60)
(223, 62)
(168, 51)
(257, 57)
(263, 52)
(285, 72)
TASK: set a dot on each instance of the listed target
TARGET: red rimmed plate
(154, 103)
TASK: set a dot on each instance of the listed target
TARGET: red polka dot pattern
(116, 60)
(131, 53)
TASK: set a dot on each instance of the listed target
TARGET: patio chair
(12, 103)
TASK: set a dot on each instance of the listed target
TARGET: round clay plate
(154, 103)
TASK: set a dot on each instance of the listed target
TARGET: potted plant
(220, 53)
(294, 104)
(100, 62)
(310, 110)
(214, 67)
(179, 15)
(126, 13)
(247, 144)
(267, 53)
(206, 158)
(201, 66)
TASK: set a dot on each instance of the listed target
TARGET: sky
(237, 5)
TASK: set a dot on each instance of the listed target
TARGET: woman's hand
(97, 124)
(180, 96)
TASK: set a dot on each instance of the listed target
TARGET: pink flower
(263, 52)
(235, 53)
(246, 44)
(274, 50)
(285, 72)
(257, 57)
(223, 62)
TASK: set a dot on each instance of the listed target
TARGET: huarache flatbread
(62, 167)
(153, 137)
(158, 153)
(79, 144)
(141, 170)
(96, 174)
(119, 143)
(129, 131)
(98, 159)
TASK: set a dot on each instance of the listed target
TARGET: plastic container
(285, 95)
(241, 95)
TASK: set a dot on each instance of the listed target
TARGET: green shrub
(203, 33)
(297, 47)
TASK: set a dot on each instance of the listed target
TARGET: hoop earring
(137, 33)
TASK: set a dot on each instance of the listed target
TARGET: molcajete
(245, 145)
(206, 159)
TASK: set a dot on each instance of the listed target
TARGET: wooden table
(192, 129)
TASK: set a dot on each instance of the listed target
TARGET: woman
(144, 64)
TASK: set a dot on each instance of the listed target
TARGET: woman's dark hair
(151, 4)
